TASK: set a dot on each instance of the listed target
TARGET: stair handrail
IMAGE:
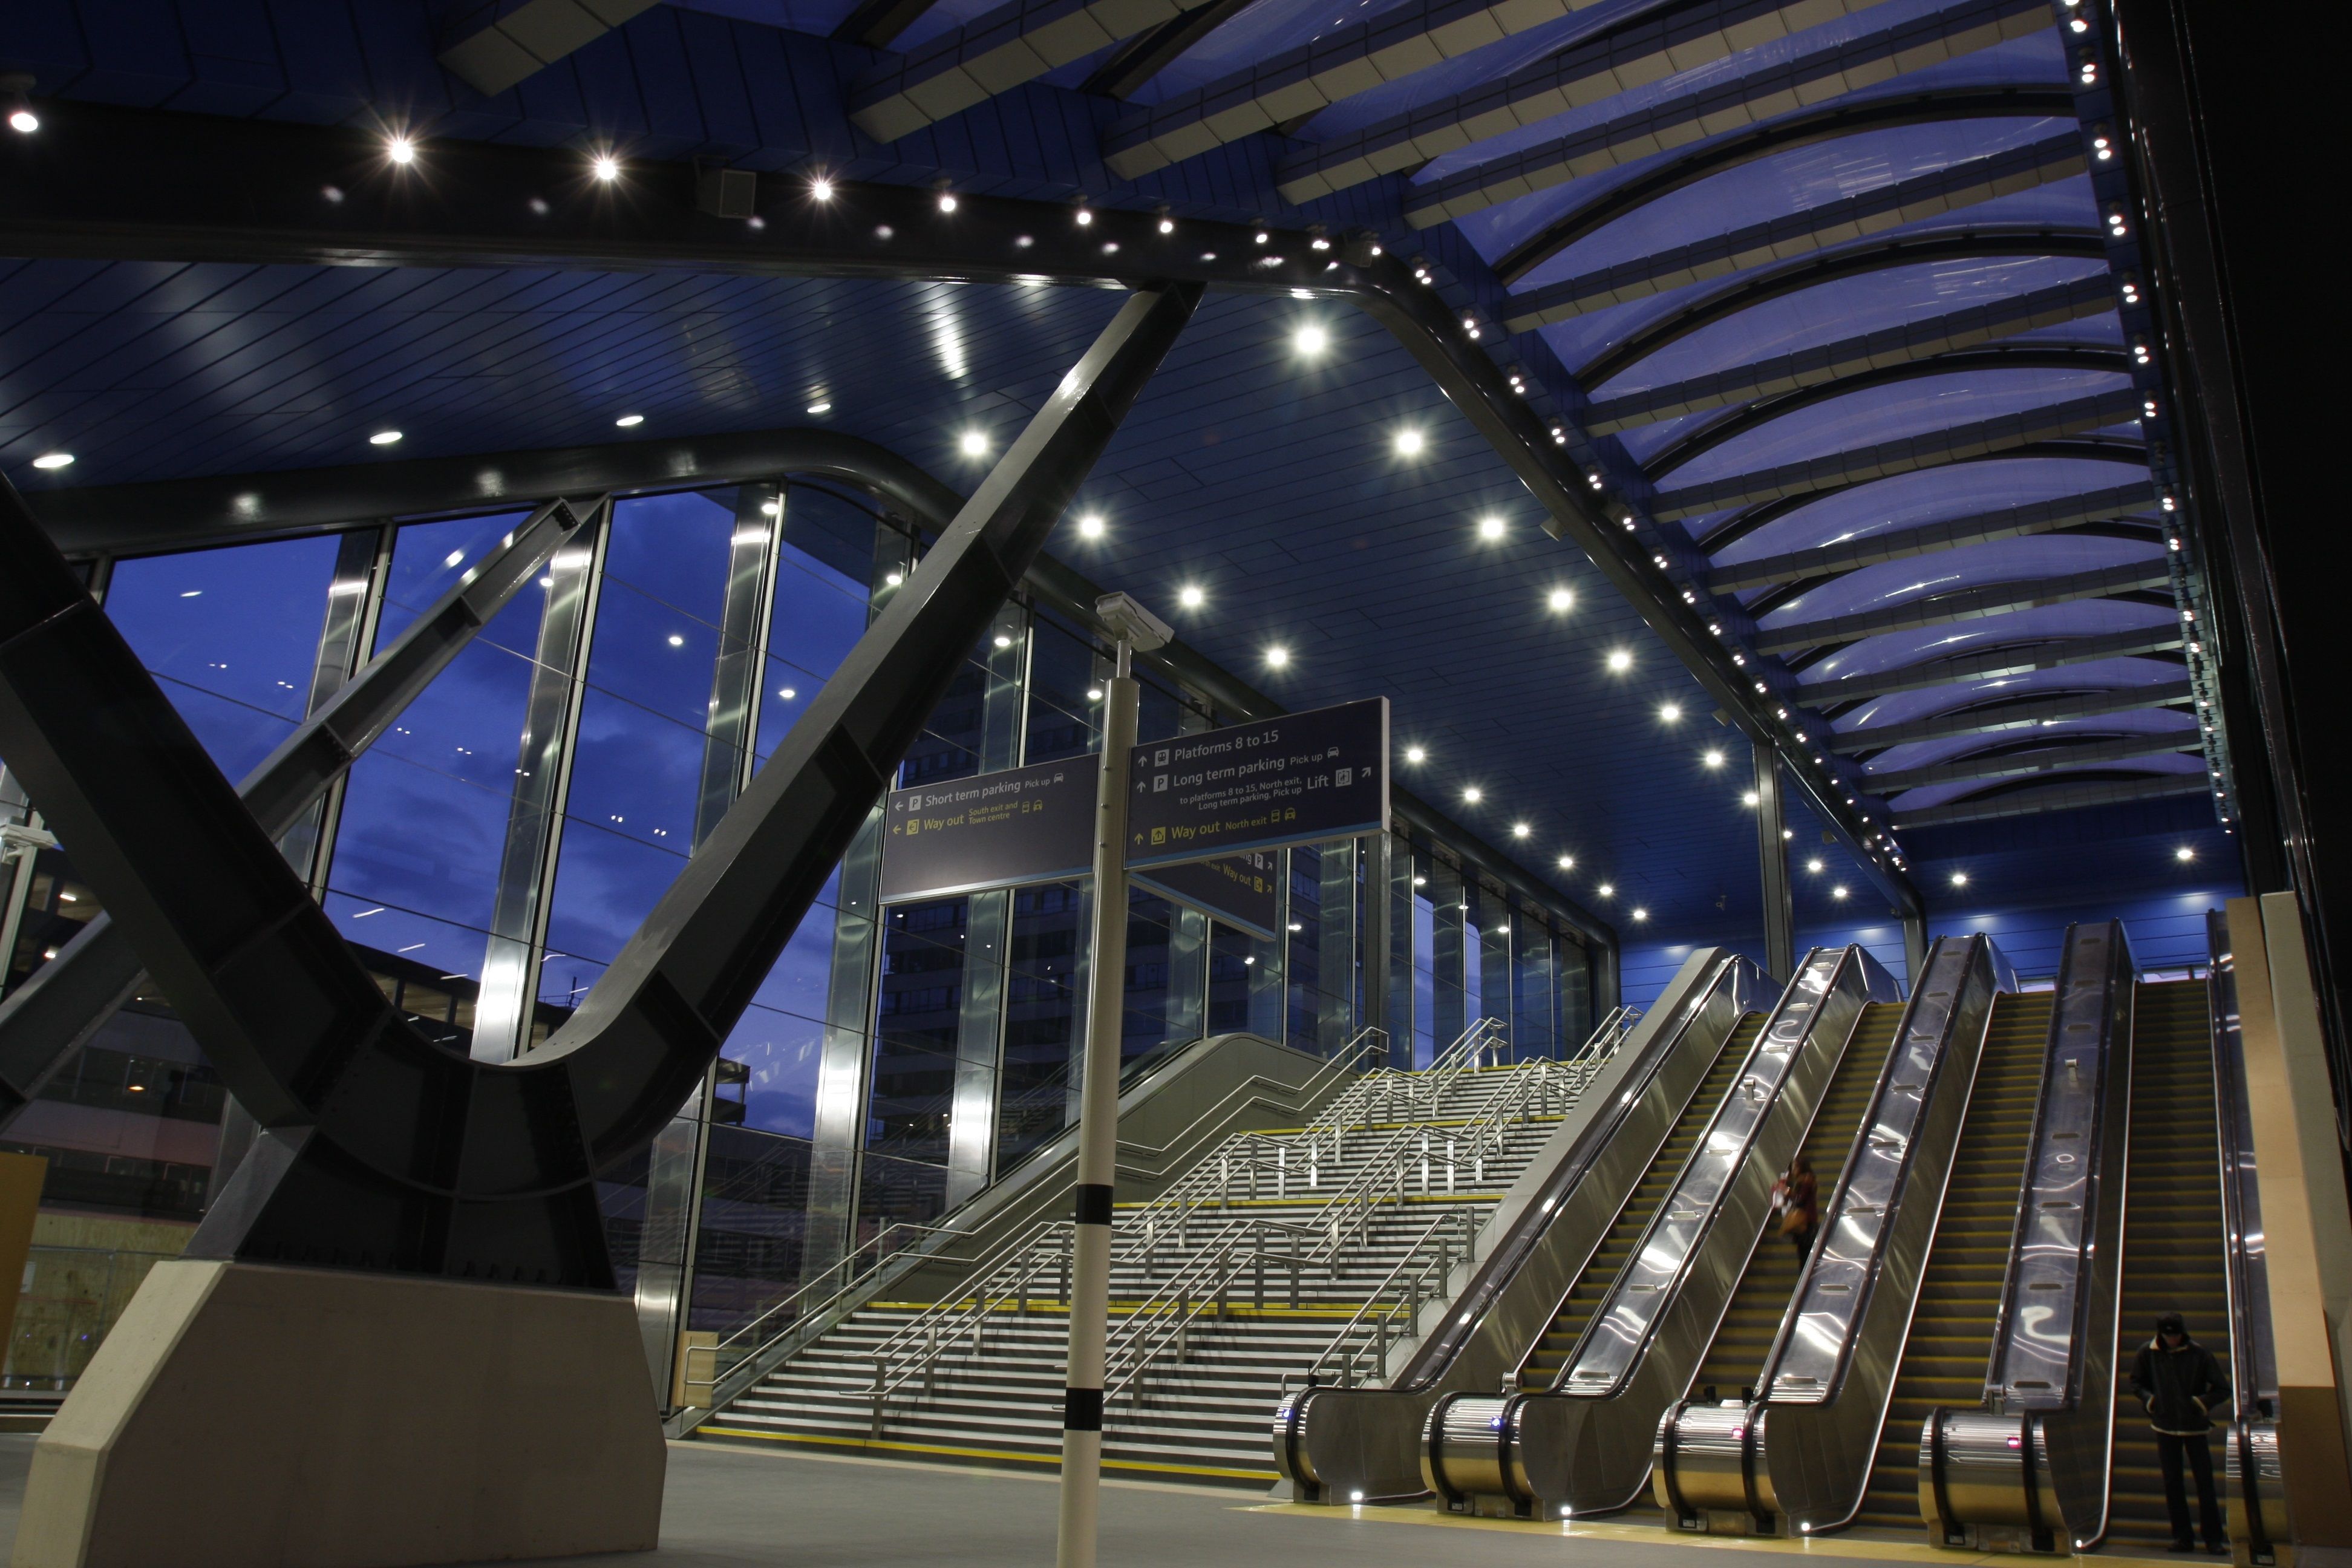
(1603, 1043)
(1340, 1347)
(841, 1265)
(1206, 1279)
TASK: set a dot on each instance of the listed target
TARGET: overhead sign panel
(1025, 825)
(1292, 780)
(1242, 889)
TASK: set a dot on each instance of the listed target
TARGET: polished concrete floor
(737, 1508)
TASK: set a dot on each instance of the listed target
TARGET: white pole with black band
(1082, 1398)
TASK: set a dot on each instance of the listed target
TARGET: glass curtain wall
(492, 852)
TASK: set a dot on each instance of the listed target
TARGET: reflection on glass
(919, 1018)
(1042, 1008)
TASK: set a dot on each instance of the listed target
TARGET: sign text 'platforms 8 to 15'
(1205, 812)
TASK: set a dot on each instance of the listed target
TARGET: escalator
(2174, 1237)
(1744, 1337)
(1543, 1362)
(1959, 1294)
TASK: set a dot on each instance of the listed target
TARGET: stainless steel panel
(1984, 1468)
(1702, 1462)
(2055, 1344)
(1585, 1446)
(1370, 1440)
(1831, 1371)
(1462, 1449)
(2255, 1494)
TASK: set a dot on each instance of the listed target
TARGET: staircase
(1278, 1255)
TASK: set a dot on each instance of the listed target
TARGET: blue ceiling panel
(1502, 59)
(2099, 675)
(1896, 650)
(2136, 722)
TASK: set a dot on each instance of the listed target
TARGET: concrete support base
(264, 1417)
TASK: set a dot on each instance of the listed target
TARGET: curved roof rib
(2007, 758)
(1952, 533)
(1533, 309)
(1904, 455)
(2020, 656)
(1967, 604)
(1986, 718)
(2030, 797)
(1739, 421)
(1828, 124)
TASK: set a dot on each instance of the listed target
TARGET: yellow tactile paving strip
(1918, 1552)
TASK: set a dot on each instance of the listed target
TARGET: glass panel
(232, 636)
(1042, 1008)
(1063, 719)
(755, 1193)
(1238, 1002)
(890, 1191)
(914, 1044)
(1143, 1020)
(819, 608)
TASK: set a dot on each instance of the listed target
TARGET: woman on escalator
(1798, 1200)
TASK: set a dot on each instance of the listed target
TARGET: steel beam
(234, 509)
(1908, 343)
(1529, 310)
(1930, 539)
(382, 1150)
(1990, 664)
(1953, 188)
(2052, 797)
(1832, 122)
(1351, 60)
(1136, 62)
(1738, 93)
(2016, 764)
(2012, 715)
(496, 45)
(1967, 604)
(90, 185)
(53, 1015)
(1909, 453)
(997, 50)
(1707, 434)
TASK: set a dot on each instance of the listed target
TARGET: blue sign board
(1298, 779)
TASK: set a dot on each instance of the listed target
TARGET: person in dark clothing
(2180, 1384)
(1799, 1199)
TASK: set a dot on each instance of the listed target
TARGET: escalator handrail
(2254, 1371)
(1851, 965)
(1936, 1015)
(1733, 972)
(2103, 1004)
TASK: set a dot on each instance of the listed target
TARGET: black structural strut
(45, 1021)
(381, 1149)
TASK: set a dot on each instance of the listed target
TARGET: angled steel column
(1772, 850)
(383, 1151)
(844, 1069)
(50, 1016)
(675, 1169)
(510, 958)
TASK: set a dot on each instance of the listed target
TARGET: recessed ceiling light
(946, 201)
(821, 189)
(820, 406)
(973, 442)
(1277, 657)
(1310, 341)
(23, 120)
(894, 579)
(1838, 893)
(383, 437)
(1408, 442)
(1641, 914)
(787, 694)
(1474, 795)
(400, 150)
(1094, 693)
(630, 421)
(2184, 853)
(1671, 713)
(1713, 759)
(1813, 866)
(1490, 526)
(676, 640)
(1520, 830)
(1559, 599)
(1090, 526)
(606, 167)
(1415, 755)
(1189, 597)
(54, 460)
(1004, 641)
(1568, 862)
(1606, 890)
(1959, 879)
(1751, 798)
(1619, 661)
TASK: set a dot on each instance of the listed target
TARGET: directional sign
(1292, 780)
(1023, 825)
(1242, 889)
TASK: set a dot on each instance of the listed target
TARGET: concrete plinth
(264, 1417)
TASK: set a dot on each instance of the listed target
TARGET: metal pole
(1772, 849)
(1082, 1398)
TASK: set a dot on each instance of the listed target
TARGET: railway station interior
(1152, 781)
